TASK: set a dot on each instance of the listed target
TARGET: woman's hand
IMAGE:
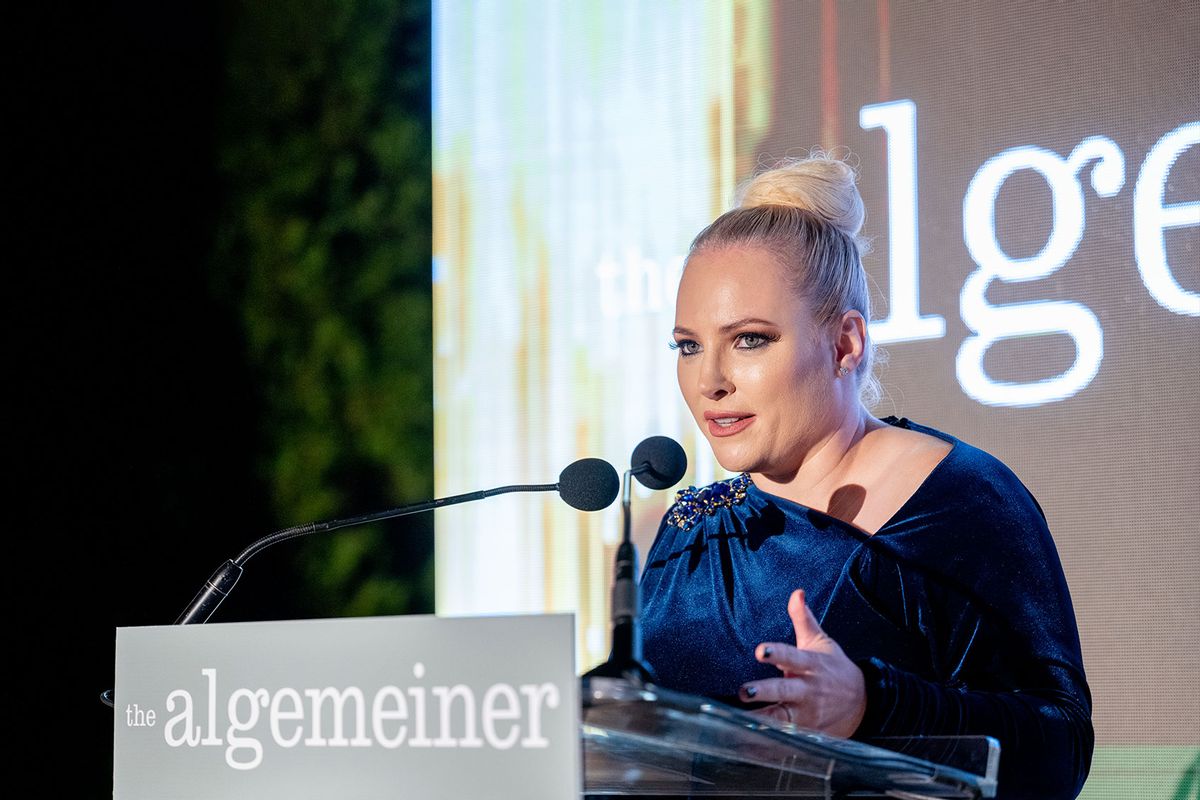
(821, 689)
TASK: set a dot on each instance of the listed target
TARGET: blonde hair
(807, 213)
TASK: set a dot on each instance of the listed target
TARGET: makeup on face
(754, 367)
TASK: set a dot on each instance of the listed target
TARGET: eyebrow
(732, 326)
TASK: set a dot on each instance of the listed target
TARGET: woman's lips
(727, 423)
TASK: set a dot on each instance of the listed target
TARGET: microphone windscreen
(665, 461)
(589, 484)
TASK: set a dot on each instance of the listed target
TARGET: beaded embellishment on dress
(691, 502)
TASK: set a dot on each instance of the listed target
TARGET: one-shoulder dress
(957, 610)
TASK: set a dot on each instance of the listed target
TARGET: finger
(790, 660)
(806, 625)
(774, 690)
(775, 711)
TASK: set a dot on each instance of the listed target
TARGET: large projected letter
(1151, 217)
(991, 323)
(904, 322)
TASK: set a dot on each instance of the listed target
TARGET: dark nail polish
(750, 691)
(766, 652)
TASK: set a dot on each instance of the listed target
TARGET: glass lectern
(643, 741)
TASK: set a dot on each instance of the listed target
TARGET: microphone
(658, 462)
(588, 484)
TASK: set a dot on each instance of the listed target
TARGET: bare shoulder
(896, 462)
(893, 445)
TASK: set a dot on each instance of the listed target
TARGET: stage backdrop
(1031, 178)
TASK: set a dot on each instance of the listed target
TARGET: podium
(388, 707)
(644, 741)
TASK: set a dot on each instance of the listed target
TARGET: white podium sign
(378, 707)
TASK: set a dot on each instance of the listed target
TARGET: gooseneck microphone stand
(222, 581)
(625, 658)
(659, 463)
(588, 484)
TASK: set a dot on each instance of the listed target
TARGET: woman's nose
(714, 383)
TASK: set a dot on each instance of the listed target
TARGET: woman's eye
(751, 341)
(686, 347)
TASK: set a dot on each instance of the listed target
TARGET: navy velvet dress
(956, 610)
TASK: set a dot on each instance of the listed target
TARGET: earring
(842, 371)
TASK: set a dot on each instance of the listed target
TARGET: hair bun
(820, 184)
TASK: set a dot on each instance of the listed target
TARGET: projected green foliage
(324, 246)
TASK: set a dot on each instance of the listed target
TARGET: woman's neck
(827, 463)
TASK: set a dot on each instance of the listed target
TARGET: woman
(860, 577)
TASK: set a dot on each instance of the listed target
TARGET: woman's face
(755, 369)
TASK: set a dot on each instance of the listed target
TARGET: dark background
(219, 327)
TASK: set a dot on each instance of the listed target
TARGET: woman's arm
(1045, 732)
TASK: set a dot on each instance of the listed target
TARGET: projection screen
(1030, 172)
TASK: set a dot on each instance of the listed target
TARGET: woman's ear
(850, 340)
